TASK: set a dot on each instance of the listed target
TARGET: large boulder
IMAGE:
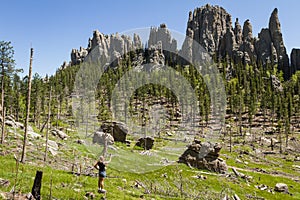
(118, 130)
(145, 142)
(204, 156)
(100, 137)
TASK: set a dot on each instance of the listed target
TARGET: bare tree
(48, 124)
(27, 107)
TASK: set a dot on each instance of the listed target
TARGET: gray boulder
(281, 187)
(204, 156)
(62, 135)
(100, 137)
(118, 130)
(33, 135)
(145, 142)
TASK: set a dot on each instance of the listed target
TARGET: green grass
(164, 183)
(171, 181)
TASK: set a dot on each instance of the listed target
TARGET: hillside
(217, 118)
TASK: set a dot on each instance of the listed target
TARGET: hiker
(100, 165)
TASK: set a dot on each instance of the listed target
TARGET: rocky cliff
(211, 27)
(113, 46)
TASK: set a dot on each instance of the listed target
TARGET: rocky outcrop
(77, 56)
(162, 36)
(112, 47)
(238, 32)
(276, 35)
(246, 52)
(204, 156)
(209, 24)
(295, 60)
(154, 54)
(265, 50)
(211, 27)
(145, 142)
(270, 46)
(276, 84)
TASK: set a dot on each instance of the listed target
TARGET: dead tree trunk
(2, 104)
(3, 125)
(36, 188)
(27, 107)
(48, 126)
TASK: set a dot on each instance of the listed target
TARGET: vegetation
(258, 99)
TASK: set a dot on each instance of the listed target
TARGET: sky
(54, 27)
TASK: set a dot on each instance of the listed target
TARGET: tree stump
(36, 188)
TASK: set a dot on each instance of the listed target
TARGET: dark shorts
(102, 174)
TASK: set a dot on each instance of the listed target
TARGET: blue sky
(54, 27)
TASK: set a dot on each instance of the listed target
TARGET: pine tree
(7, 64)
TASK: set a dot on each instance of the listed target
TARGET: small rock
(296, 167)
(80, 142)
(33, 134)
(165, 175)
(60, 134)
(281, 187)
(4, 183)
(90, 195)
(76, 190)
(236, 197)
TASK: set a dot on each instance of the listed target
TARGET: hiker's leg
(101, 183)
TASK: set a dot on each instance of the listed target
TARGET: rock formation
(162, 36)
(209, 24)
(295, 60)
(211, 27)
(270, 47)
(112, 47)
(77, 56)
(100, 138)
(118, 130)
(204, 156)
(276, 35)
(281, 187)
(145, 142)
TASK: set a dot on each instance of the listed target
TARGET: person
(100, 165)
